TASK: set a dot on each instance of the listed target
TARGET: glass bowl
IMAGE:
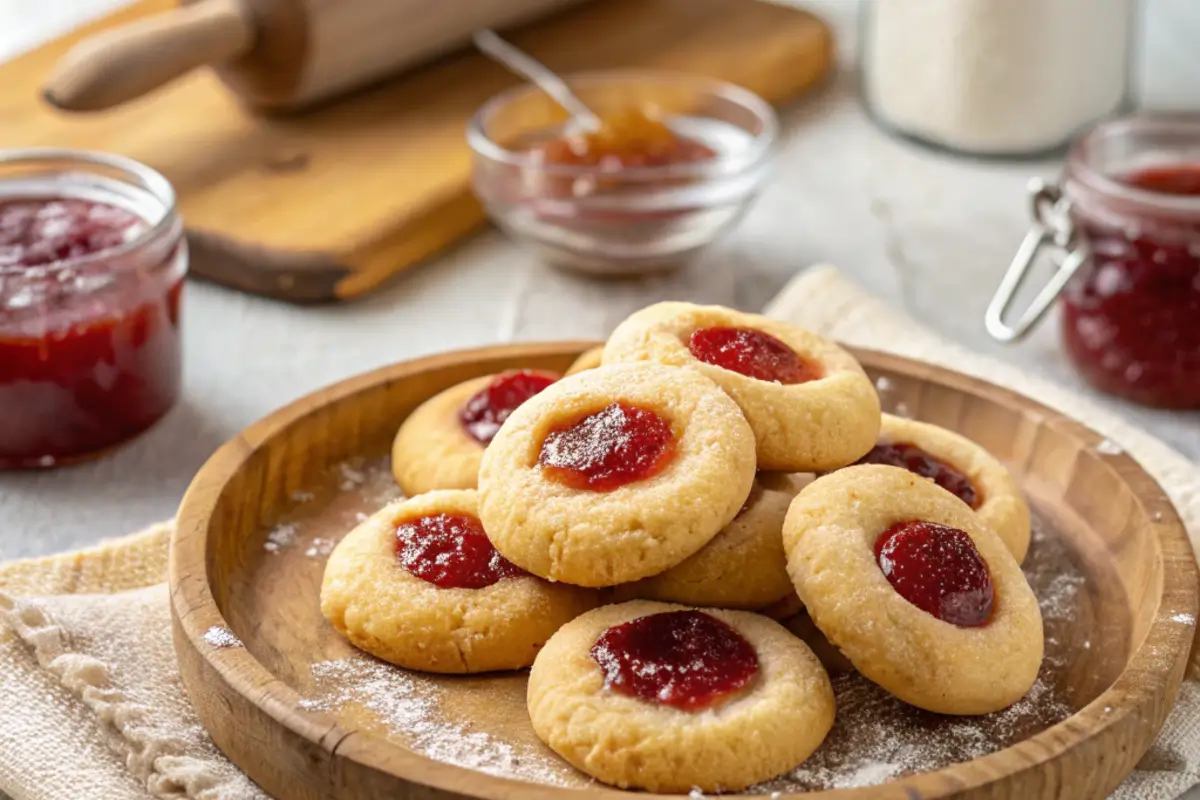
(623, 220)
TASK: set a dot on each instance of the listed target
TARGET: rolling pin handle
(120, 65)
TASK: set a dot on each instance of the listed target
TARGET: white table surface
(929, 233)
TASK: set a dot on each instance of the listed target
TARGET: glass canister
(1123, 225)
(92, 262)
(995, 78)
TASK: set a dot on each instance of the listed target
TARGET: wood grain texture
(1141, 580)
(329, 204)
(123, 63)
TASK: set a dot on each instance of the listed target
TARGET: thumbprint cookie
(440, 444)
(910, 585)
(962, 468)
(661, 697)
(809, 403)
(418, 584)
(743, 567)
(590, 359)
(615, 474)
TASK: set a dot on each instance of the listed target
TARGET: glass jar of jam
(1124, 227)
(92, 262)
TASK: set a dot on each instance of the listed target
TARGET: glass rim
(761, 142)
(1081, 170)
(144, 177)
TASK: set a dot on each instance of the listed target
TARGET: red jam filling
(89, 352)
(685, 659)
(35, 232)
(451, 551)
(628, 140)
(938, 570)
(487, 409)
(751, 353)
(916, 460)
(613, 447)
(1131, 315)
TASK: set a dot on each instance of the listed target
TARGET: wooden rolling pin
(275, 54)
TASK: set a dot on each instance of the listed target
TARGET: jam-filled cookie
(962, 468)
(615, 474)
(669, 699)
(909, 584)
(590, 359)
(811, 406)
(440, 444)
(419, 584)
(743, 567)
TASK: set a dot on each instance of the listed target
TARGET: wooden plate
(1122, 657)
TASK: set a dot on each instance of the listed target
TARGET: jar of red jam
(92, 262)
(1123, 225)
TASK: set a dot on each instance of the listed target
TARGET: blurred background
(886, 164)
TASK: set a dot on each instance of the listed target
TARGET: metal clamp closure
(1052, 229)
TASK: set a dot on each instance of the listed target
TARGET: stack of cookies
(664, 532)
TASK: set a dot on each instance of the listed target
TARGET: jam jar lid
(1096, 183)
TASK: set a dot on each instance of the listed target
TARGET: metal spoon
(542, 76)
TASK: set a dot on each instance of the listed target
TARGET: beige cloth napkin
(92, 705)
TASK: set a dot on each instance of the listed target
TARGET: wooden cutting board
(329, 204)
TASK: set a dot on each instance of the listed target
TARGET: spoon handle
(537, 72)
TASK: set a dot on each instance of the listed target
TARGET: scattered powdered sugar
(1184, 619)
(884, 385)
(355, 483)
(281, 536)
(407, 705)
(695, 794)
(319, 548)
(900, 409)
(1109, 448)
(216, 636)
(353, 476)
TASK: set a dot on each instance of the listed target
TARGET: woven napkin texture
(92, 705)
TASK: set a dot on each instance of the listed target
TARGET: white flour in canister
(997, 77)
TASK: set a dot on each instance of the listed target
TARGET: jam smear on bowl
(939, 570)
(752, 353)
(451, 551)
(1131, 315)
(483, 414)
(916, 460)
(90, 350)
(629, 139)
(613, 447)
(684, 659)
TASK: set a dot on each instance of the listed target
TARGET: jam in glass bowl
(92, 262)
(677, 161)
(1125, 219)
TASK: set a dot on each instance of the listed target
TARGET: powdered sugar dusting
(319, 548)
(219, 637)
(281, 536)
(407, 704)
(353, 475)
(358, 483)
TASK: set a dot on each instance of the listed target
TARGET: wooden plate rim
(1128, 701)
